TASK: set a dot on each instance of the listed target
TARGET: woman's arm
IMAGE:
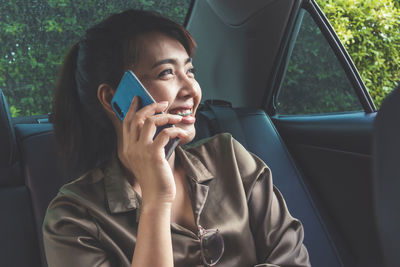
(71, 237)
(278, 236)
(145, 159)
(154, 245)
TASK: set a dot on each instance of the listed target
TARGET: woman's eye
(191, 70)
(165, 72)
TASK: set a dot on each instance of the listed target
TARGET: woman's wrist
(156, 207)
(155, 198)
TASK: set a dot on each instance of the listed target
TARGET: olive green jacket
(93, 221)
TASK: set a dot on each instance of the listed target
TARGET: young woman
(210, 203)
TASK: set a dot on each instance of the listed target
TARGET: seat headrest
(8, 151)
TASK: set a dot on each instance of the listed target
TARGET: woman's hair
(84, 134)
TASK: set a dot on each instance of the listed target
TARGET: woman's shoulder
(70, 214)
(85, 191)
(84, 184)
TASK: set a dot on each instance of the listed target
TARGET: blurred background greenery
(314, 82)
(370, 31)
(35, 33)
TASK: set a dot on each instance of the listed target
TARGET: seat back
(10, 168)
(18, 243)
(43, 169)
(387, 176)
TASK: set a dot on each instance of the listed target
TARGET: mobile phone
(128, 88)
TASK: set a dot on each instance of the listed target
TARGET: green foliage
(37, 34)
(370, 31)
(314, 82)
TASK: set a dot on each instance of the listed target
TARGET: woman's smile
(188, 117)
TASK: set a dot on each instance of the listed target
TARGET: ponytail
(66, 109)
(81, 141)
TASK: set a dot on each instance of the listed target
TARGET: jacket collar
(194, 168)
(120, 195)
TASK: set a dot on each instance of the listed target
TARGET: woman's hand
(145, 157)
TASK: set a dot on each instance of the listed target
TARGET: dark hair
(84, 134)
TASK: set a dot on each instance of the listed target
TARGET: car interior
(386, 147)
(323, 163)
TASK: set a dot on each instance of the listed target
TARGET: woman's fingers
(166, 134)
(147, 111)
(152, 109)
(132, 109)
(150, 125)
(136, 117)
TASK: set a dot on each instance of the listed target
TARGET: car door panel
(334, 153)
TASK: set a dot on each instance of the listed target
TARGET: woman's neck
(173, 162)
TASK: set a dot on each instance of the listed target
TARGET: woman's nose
(187, 86)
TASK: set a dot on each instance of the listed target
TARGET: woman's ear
(105, 94)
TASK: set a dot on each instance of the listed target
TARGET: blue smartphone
(128, 88)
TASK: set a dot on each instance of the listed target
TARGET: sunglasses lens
(212, 245)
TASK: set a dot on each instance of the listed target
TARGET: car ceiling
(238, 42)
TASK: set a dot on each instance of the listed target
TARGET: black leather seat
(43, 170)
(18, 243)
(387, 176)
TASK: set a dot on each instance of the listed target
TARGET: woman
(210, 203)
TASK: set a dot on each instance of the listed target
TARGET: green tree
(370, 31)
(314, 81)
(36, 35)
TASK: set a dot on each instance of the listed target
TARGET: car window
(36, 34)
(314, 81)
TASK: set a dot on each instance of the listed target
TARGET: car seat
(18, 243)
(387, 176)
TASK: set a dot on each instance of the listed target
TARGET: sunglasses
(211, 245)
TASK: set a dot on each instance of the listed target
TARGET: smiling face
(166, 71)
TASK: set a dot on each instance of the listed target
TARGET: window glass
(36, 34)
(314, 82)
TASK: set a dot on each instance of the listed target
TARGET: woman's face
(166, 71)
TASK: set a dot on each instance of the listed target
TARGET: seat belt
(226, 119)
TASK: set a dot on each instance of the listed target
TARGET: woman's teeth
(183, 113)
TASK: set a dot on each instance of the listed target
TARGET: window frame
(283, 59)
(189, 13)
